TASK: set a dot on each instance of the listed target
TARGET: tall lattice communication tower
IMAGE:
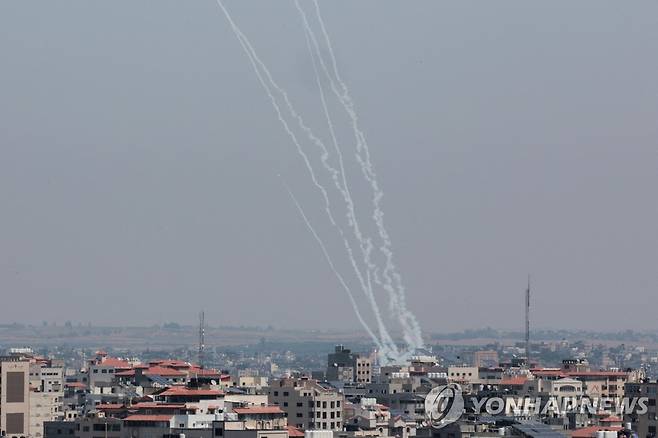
(527, 324)
(202, 339)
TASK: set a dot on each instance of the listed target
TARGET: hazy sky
(139, 160)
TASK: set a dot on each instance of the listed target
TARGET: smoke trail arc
(411, 328)
(386, 343)
(386, 277)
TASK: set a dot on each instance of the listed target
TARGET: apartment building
(348, 367)
(14, 397)
(644, 425)
(307, 403)
(485, 359)
(596, 384)
(464, 374)
(46, 396)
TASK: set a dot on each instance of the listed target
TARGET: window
(14, 421)
(276, 393)
(333, 405)
(299, 415)
(103, 371)
(338, 404)
(219, 431)
(16, 390)
(300, 404)
(285, 404)
(285, 393)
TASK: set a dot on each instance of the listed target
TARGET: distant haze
(139, 160)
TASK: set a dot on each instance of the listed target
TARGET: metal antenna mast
(527, 323)
(202, 336)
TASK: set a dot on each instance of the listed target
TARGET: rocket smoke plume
(411, 328)
(370, 276)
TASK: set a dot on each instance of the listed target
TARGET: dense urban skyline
(139, 162)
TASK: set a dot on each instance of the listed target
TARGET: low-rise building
(308, 403)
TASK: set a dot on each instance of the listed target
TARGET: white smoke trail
(341, 280)
(387, 346)
(411, 329)
(365, 243)
(393, 299)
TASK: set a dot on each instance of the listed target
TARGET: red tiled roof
(163, 371)
(293, 432)
(127, 373)
(156, 405)
(589, 432)
(259, 410)
(148, 418)
(75, 384)
(114, 362)
(171, 363)
(513, 381)
(611, 419)
(189, 391)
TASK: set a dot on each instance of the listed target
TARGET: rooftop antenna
(202, 336)
(527, 324)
